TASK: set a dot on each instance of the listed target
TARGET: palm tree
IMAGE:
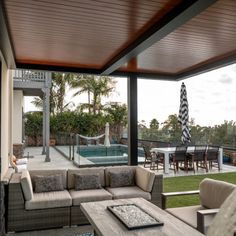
(118, 118)
(98, 86)
(57, 93)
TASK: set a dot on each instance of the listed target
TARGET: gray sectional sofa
(31, 206)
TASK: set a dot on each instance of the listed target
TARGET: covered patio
(159, 39)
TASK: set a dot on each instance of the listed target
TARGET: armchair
(212, 193)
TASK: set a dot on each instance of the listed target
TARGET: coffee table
(105, 223)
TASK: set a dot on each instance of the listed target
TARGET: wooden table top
(106, 224)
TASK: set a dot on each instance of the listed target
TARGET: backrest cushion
(34, 173)
(116, 170)
(85, 171)
(144, 178)
(214, 192)
(26, 185)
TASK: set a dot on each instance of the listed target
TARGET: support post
(47, 114)
(44, 125)
(132, 121)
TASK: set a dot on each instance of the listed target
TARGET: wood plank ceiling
(87, 34)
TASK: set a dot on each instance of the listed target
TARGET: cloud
(226, 79)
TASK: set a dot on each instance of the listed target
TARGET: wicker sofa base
(77, 216)
(23, 220)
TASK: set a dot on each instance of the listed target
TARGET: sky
(211, 97)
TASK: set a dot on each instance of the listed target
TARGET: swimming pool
(115, 154)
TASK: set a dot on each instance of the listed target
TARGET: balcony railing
(29, 76)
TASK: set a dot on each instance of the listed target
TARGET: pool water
(99, 154)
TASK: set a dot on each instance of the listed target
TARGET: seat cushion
(144, 179)
(49, 200)
(214, 192)
(89, 195)
(128, 192)
(189, 215)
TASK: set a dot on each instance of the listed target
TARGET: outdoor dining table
(170, 150)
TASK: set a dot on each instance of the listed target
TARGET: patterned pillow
(121, 178)
(87, 181)
(48, 183)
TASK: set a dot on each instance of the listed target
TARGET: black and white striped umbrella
(183, 115)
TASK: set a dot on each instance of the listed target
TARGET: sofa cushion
(214, 192)
(26, 185)
(121, 178)
(90, 195)
(49, 200)
(128, 192)
(49, 172)
(144, 179)
(90, 171)
(86, 181)
(187, 214)
(48, 183)
(116, 169)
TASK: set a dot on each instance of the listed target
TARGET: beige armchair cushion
(128, 192)
(144, 179)
(187, 214)
(49, 200)
(214, 192)
(89, 195)
(26, 185)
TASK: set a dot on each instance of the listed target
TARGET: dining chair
(212, 157)
(199, 156)
(153, 159)
(179, 156)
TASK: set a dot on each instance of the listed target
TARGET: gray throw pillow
(87, 181)
(48, 183)
(121, 178)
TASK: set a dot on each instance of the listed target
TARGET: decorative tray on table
(134, 217)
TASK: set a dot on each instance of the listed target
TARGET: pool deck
(58, 161)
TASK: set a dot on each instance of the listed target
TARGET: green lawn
(186, 183)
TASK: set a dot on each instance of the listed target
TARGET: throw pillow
(121, 178)
(86, 181)
(48, 183)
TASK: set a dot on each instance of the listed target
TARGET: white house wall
(18, 103)
(6, 136)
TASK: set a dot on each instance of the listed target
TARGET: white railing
(28, 75)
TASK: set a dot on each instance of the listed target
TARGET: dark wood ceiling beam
(226, 61)
(171, 21)
(48, 67)
(67, 69)
(5, 43)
